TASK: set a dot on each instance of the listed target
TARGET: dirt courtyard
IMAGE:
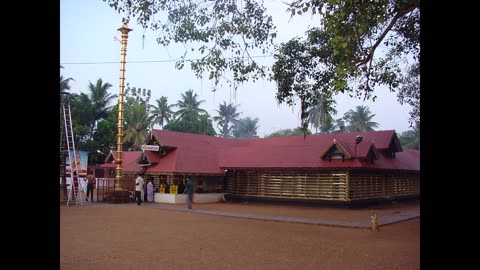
(127, 236)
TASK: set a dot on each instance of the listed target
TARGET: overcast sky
(88, 33)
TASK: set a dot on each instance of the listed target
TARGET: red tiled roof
(193, 153)
(305, 152)
(154, 157)
(128, 158)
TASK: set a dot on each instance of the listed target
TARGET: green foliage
(189, 104)
(358, 30)
(328, 126)
(136, 117)
(100, 101)
(162, 112)
(105, 136)
(83, 117)
(191, 122)
(246, 128)
(320, 115)
(137, 124)
(222, 32)
(410, 93)
(411, 138)
(227, 114)
(299, 131)
(206, 126)
(64, 83)
(360, 120)
(141, 95)
(306, 70)
(360, 46)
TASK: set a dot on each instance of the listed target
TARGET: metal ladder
(74, 193)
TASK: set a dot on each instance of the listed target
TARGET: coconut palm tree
(100, 100)
(329, 126)
(64, 84)
(137, 122)
(162, 112)
(339, 126)
(246, 128)
(189, 103)
(227, 114)
(320, 115)
(360, 119)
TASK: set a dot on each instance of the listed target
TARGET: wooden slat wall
(402, 184)
(380, 185)
(366, 186)
(328, 185)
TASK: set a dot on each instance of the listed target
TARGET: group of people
(139, 186)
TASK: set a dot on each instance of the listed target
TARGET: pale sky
(88, 33)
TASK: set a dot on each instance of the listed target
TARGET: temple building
(338, 168)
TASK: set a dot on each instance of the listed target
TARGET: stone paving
(383, 220)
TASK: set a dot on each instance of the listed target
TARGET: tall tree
(372, 40)
(81, 111)
(357, 29)
(246, 128)
(320, 117)
(227, 114)
(189, 104)
(101, 101)
(162, 112)
(303, 70)
(65, 83)
(360, 119)
(136, 118)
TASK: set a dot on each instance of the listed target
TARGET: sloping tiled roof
(128, 158)
(305, 152)
(193, 153)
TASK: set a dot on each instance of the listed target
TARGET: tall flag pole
(124, 30)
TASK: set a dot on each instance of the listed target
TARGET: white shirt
(139, 184)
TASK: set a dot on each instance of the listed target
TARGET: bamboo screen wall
(322, 185)
(366, 186)
(370, 185)
(402, 184)
(290, 184)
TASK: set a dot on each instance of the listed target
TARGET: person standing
(90, 181)
(189, 191)
(138, 188)
(150, 188)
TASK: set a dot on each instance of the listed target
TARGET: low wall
(182, 198)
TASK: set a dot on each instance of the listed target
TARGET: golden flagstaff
(124, 30)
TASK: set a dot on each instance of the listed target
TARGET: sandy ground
(127, 236)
